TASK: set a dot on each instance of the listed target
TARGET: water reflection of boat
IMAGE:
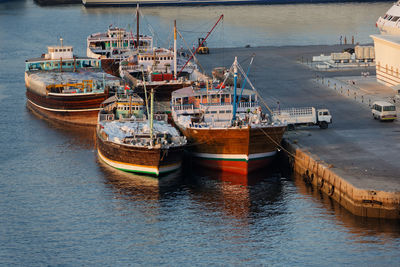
(237, 195)
(137, 186)
(79, 135)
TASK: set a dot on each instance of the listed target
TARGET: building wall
(387, 58)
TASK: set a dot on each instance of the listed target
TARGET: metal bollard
(362, 99)
(348, 92)
(335, 86)
(355, 96)
(369, 102)
(341, 89)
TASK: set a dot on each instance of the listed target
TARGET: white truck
(303, 116)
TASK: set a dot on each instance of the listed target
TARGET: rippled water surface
(60, 206)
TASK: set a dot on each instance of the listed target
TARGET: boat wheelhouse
(60, 58)
(116, 42)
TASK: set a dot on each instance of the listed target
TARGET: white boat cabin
(116, 41)
(214, 106)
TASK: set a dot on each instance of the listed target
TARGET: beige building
(387, 58)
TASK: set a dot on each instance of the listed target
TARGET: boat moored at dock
(132, 143)
(65, 88)
(116, 45)
(228, 132)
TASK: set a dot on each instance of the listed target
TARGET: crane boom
(208, 34)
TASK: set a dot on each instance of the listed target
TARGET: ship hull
(162, 91)
(110, 66)
(234, 150)
(81, 110)
(154, 162)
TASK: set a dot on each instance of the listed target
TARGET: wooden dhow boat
(132, 143)
(228, 131)
(116, 45)
(66, 88)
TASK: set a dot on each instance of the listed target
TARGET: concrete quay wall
(324, 177)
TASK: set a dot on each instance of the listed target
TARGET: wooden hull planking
(127, 158)
(237, 150)
(110, 66)
(80, 110)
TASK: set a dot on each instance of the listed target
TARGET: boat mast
(151, 114)
(234, 88)
(175, 59)
(130, 104)
(247, 75)
(137, 26)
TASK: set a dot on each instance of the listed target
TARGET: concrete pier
(355, 161)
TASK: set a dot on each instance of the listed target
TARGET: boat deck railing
(185, 108)
(106, 117)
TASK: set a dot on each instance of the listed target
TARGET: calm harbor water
(60, 206)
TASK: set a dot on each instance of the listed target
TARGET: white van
(384, 111)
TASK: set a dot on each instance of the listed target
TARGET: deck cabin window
(222, 111)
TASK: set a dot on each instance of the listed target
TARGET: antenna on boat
(254, 89)
(151, 114)
(137, 26)
(145, 93)
(235, 70)
(61, 41)
(247, 74)
(175, 73)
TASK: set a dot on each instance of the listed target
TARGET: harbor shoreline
(326, 179)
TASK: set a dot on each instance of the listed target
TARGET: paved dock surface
(360, 149)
